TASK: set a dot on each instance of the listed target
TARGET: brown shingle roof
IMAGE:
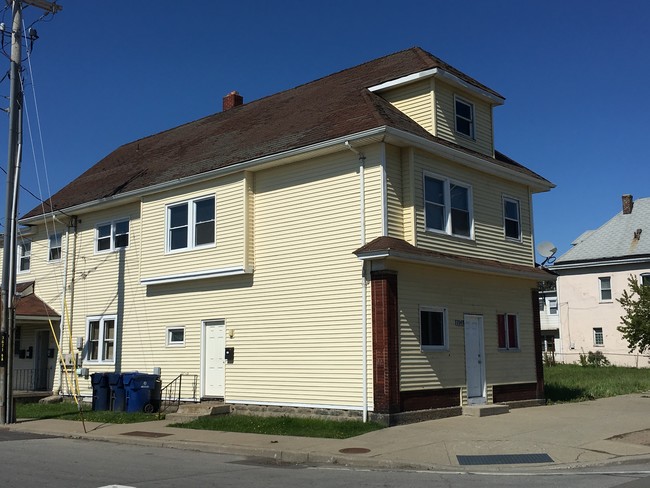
(334, 106)
(28, 304)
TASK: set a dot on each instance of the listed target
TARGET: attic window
(464, 113)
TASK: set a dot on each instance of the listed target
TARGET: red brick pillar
(537, 330)
(385, 341)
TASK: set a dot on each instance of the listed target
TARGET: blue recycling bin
(142, 392)
(118, 395)
(101, 391)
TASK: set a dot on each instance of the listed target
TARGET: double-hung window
(605, 284)
(112, 236)
(101, 335)
(24, 255)
(508, 331)
(191, 224)
(54, 253)
(511, 218)
(464, 114)
(552, 306)
(447, 206)
(433, 329)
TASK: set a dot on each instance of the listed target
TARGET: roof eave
(596, 263)
(490, 97)
(537, 185)
(451, 263)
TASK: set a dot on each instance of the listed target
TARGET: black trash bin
(142, 392)
(101, 391)
(118, 395)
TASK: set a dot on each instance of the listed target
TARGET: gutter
(601, 263)
(446, 262)
(399, 137)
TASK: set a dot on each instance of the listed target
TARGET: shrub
(594, 359)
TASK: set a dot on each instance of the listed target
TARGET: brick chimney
(233, 99)
(627, 204)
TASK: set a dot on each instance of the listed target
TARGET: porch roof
(391, 247)
(29, 305)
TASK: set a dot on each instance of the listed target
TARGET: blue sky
(574, 75)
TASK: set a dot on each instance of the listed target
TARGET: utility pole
(8, 290)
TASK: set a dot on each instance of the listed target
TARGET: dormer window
(464, 117)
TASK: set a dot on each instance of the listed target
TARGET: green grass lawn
(230, 423)
(576, 383)
(303, 427)
(562, 383)
(69, 411)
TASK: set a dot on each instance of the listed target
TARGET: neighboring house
(593, 274)
(549, 321)
(355, 244)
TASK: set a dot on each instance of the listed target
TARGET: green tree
(636, 321)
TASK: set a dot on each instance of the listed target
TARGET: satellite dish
(548, 250)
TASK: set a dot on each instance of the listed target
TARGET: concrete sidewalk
(572, 435)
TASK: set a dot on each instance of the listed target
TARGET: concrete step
(192, 411)
(485, 410)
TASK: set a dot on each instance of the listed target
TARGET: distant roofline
(601, 262)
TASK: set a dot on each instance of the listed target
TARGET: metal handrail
(170, 394)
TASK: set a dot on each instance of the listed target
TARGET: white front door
(474, 359)
(214, 361)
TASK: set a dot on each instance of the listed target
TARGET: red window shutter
(501, 325)
(513, 340)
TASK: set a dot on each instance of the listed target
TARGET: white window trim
(431, 348)
(600, 290)
(21, 254)
(471, 136)
(191, 224)
(448, 224)
(101, 319)
(49, 247)
(503, 206)
(508, 348)
(548, 306)
(112, 247)
(602, 335)
(171, 343)
(643, 275)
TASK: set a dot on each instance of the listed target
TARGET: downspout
(63, 323)
(64, 296)
(364, 298)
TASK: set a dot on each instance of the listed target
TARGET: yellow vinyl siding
(373, 193)
(395, 192)
(415, 100)
(487, 196)
(446, 124)
(296, 323)
(304, 344)
(230, 223)
(462, 293)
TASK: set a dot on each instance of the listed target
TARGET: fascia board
(468, 160)
(451, 264)
(599, 264)
(364, 137)
(444, 75)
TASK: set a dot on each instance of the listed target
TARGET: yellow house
(352, 246)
